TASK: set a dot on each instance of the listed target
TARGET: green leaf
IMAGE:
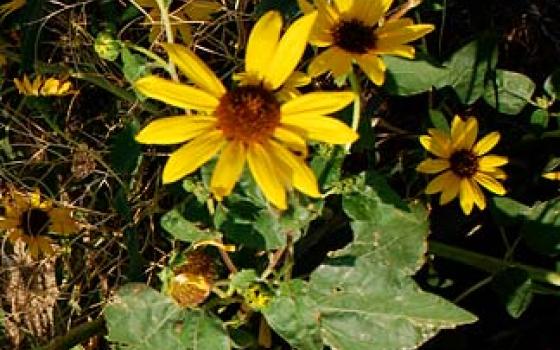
(385, 229)
(268, 225)
(125, 151)
(508, 212)
(552, 85)
(541, 230)
(514, 289)
(410, 77)
(540, 118)
(293, 315)
(134, 66)
(242, 280)
(369, 306)
(438, 120)
(509, 92)
(468, 67)
(139, 318)
(183, 229)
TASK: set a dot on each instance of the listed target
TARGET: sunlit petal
(332, 59)
(320, 128)
(433, 166)
(228, 169)
(171, 130)
(485, 144)
(490, 183)
(373, 66)
(262, 169)
(319, 103)
(441, 182)
(192, 155)
(262, 43)
(175, 94)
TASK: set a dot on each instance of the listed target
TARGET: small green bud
(106, 46)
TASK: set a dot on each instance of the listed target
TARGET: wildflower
(42, 87)
(464, 163)
(193, 10)
(192, 281)
(246, 124)
(356, 32)
(552, 175)
(29, 219)
(9, 7)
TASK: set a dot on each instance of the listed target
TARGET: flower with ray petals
(43, 87)
(29, 219)
(354, 31)
(247, 124)
(463, 163)
(187, 11)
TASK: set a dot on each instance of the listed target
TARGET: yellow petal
(289, 51)
(403, 35)
(292, 140)
(553, 175)
(195, 69)
(440, 182)
(433, 166)
(487, 163)
(305, 6)
(320, 128)
(201, 10)
(228, 169)
(171, 130)
(490, 183)
(35, 198)
(432, 145)
(321, 34)
(466, 196)
(191, 156)
(373, 66)
(265, 175)
(262, 43)
(62, 222)
(303, 177)
(44, 245)
(394, 25)
(450, 191)
(298, 79)
(485, 144)
(332, 59)
(463, 134)
(175, 94)
(405, 51)
(478, 196)
(8, 223)
(319, 103)
(369, 12)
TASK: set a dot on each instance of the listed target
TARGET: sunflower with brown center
(355, 31)
(25, 217)
(463, 163)
(247, 124)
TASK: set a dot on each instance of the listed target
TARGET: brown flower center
(464, 163)
(35, 222)
(354, 36)
(248, 113)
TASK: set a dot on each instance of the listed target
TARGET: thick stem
(77, 335)
(357, 105)
(491, 264)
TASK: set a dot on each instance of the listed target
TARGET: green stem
(357, 105)
(160, 61)
(77, 335)
(491, 264)
(164, 15)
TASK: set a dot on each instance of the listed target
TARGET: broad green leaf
(183, 229)
(410, 77)
(139, 318)
(125, 151)
(385, 229)
(541, 230)
(514, 289)
(294, 316)
(468, 67)
(552, 85)
(508, 212)
(241, 280)
(369, 306)
(269, 226)
(326, 164)
(540, 118)
(509, 92)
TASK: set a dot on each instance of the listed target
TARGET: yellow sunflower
(260, 47)
(25, 217)
(246, 124)
(188, 11)
(355, 31)
(43, 87)
(464, 163)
